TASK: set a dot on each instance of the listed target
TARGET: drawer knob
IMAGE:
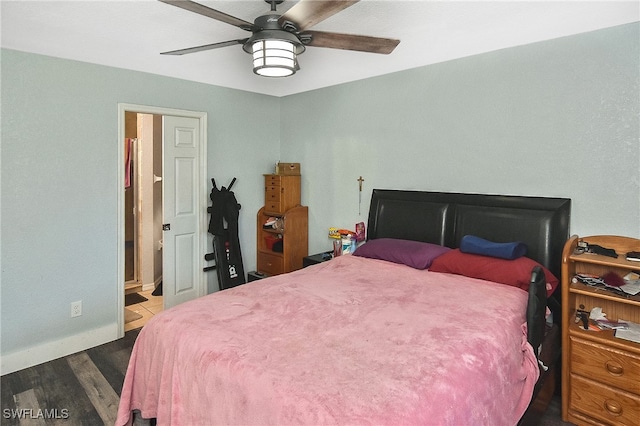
(614, 368)
(613, 407)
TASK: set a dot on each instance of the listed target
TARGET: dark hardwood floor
(84, 389)
(551, 417)
(80, 389)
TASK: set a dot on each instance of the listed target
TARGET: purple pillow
(416, 254)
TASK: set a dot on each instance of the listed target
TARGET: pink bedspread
(349, 341)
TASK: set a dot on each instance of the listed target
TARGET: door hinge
(166, 227)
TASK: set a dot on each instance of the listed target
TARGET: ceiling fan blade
(210, 13)
(205, 47)
(352, 42)
(307, 13)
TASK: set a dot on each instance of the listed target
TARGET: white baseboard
(49, 351)
(153, 285)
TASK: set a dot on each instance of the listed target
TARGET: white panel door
(181, 264)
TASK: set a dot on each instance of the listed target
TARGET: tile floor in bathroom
(147, 309)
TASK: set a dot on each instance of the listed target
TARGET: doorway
(142, 218)
(154, 140)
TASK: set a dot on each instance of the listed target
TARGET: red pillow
(516, 272)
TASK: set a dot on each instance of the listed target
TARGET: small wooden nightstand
(316, 258)
(255, 275)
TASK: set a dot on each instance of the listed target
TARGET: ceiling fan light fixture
(274, 58)
(278, 39)
(274, 51)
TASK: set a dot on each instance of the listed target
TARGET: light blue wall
(60, 188)
(557, 118)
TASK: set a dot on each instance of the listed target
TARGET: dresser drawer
(274, 207)
(272, 264)
(272, 194)
(272, 180)
(607, 365)
(603, 402)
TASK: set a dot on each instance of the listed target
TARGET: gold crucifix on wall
(360, 180)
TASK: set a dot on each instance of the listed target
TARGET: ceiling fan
(277, 40)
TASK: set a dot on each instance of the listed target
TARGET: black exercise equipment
(223, 225)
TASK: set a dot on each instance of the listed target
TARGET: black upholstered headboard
(444, 218)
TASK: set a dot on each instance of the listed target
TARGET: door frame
(202, 196)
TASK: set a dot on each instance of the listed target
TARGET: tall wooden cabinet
(281, 193)
(282, 249)
(600, 372)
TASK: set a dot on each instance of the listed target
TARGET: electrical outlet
(76, 309)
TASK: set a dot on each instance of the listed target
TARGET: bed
(361, 339)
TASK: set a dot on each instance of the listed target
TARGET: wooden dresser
(281, 193)
(600, 372)
(282, 201)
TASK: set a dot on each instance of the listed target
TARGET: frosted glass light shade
(274, 58)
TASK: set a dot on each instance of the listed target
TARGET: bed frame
(444, 218)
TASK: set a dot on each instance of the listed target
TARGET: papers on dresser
(631, 284)
(604, 324)
(631, 287)
(632, 332)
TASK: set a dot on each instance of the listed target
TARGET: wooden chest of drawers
(282, 201)
(605, 382)
(281, 193)
(601, 373)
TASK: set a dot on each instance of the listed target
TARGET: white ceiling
(131, 34)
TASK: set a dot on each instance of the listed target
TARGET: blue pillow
(476, 245)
